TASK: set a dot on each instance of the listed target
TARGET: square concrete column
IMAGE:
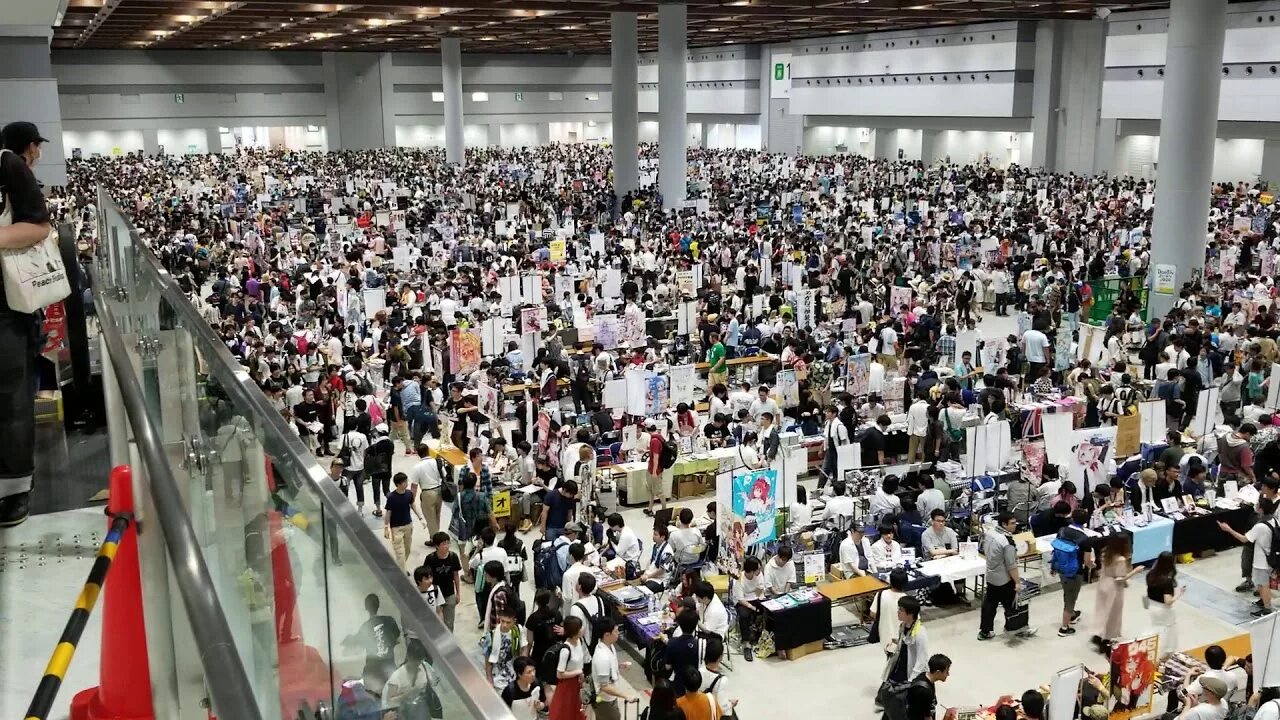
(673, 135)
(625, 110)
(1188, 129)
(451, 74)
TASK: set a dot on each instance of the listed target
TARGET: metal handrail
(229, 688)
(476, 694)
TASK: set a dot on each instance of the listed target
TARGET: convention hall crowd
(547, 354)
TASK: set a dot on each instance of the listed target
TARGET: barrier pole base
(86, 706)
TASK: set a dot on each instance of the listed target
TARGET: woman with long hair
(566, 703)
(1162, 592)
(662, 703)
(414, 679)
(1113, 577)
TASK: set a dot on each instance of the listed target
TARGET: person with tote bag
(25, 230)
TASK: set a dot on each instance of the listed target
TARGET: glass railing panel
(292, 563)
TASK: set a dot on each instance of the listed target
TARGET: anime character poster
(465, 350)
(898, 297)
(607, 331)
(490, 402)
(754, 508)
(1033, 453)
(859, 375)
(788, 388)
(534, 319)
(657, 394)
(631, 330)
(1133, 675)
(1089, 456)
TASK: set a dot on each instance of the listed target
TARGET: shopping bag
(1018, 619)
(34, 277)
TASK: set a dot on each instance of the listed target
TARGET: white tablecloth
(955, 567)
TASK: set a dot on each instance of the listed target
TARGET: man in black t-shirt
(446, 570)
(19, 332)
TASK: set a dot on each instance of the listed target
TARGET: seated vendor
(939, 540)
(855, 553)
(886, 553)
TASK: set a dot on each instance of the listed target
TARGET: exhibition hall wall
(1069, 95)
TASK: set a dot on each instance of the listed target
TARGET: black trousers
(996, 596)
(19, 340)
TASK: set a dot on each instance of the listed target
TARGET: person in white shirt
(741, 399)
(1215, 657)
(764, 404)
(886, 501)
(780, 572)
(885, 608)
(713, 618)
(713, 678)
(917, 426)
(586, 605)
(801, 515)
(425, 474)
(745, 592)
(685, 539)
(875, 376)
(855, 553)
(626, 545)
(577, 566)
(1210, 703)
(839, 505)
(354, 445)
(414, 674)
(835, 435)
(608, 671)
(886, 553)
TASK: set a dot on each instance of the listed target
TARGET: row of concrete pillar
(672, 130)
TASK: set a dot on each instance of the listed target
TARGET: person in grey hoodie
(1235, 455)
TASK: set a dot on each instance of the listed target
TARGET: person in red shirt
(657, 489)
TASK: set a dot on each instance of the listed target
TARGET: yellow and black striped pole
(47, 691)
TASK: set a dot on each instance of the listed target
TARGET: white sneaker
(1027, 632)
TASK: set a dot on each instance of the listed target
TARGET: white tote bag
(34, 277)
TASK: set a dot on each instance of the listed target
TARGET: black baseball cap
(18, 135)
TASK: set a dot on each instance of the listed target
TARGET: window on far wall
(437, 97)
(555, 96)
(592, 96)
(479, 97)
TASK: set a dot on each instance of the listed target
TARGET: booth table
(631, 482)
(1201, 532)
(800, 625)
(955, 567)
(851, 589)
(1150, 541)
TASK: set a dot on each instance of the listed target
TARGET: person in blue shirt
(732, 335)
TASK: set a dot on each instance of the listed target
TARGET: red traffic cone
(124, 675)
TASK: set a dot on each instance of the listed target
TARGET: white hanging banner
(682, 378)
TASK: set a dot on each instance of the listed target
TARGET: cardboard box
(806, 649)
(688, 486)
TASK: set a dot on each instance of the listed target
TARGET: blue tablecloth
(1150, 541)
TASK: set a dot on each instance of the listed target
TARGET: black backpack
(670, 451)
(1273, 554)
(549, 664)
(596, 621)
(895, 699)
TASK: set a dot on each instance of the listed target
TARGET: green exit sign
(519, 96)
(179, 98)
(779, 71)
